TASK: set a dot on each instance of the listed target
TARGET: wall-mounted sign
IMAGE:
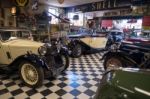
(120, 12)
(139, 10)
(21, 3)
(101, 5)
(146, 23)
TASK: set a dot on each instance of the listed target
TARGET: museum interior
(74, 49)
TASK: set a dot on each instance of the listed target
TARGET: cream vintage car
(86, 41)
(33, 60)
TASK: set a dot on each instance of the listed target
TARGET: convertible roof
(13, 29)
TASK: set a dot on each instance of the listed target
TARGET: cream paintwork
(17, 48)
(98, 42)
(86, 40)
(95, 42)
(3, 56)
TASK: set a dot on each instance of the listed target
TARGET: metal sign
(101, 5)
(22, 3)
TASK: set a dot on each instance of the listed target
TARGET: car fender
(122, 55)
(74, 42)
(84, 46)
(31, 58)
(65, 51)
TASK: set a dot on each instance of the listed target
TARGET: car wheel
(111, 63)
(77, 51)
(31, 74)
(65, 61)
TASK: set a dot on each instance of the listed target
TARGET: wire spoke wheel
(77, 51)
(29, 74)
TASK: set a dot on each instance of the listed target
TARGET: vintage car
(124, 83)
(143, 37)
(86, 41)
(33, 60)
(134, 54)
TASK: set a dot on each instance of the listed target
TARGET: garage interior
(86, 23)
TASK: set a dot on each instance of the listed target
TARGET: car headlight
(42, 50)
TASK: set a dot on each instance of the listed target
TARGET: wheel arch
(31, 58)
(123, 57)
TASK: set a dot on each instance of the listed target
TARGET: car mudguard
(120, 54)
(31, 58)
(65, 51)
(125, 83)
(73, 43)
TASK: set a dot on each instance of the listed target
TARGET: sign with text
(102, 5)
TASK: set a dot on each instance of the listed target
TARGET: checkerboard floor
(80, 81)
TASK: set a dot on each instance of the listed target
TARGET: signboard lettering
(101, 5)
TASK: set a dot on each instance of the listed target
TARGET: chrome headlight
(42, 50)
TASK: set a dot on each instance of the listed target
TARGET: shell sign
(60, 1)
(22, 3)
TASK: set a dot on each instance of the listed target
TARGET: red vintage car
(143, 37)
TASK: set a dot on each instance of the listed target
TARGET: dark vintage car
(134, 54)
(143, 37)
(124, 83)
(85, 41)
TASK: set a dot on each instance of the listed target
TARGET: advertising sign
(21, 3)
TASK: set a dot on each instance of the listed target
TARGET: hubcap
(113, 63)
(29, 74)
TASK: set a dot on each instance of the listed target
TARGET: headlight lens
(42, 50)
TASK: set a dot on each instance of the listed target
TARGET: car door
(134, 83)
(5, 57)
(98, 41)
(86, 38)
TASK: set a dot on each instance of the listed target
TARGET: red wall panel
(106, 23)
(146, 21)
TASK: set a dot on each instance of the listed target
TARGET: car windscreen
(10, 35)
(143, 35)
(116, 33)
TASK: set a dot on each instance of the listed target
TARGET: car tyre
(65, 59)
(77, 51)
(31, 74)
(112, 62)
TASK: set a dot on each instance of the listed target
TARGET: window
(5, 35)
(9, 35)
(76, 22)
(55, 12)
